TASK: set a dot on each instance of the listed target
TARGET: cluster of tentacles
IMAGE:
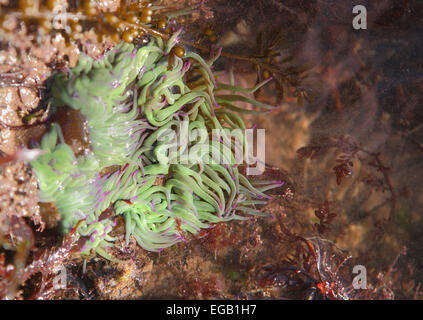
(139, 104)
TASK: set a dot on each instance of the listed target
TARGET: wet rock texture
(18, 195)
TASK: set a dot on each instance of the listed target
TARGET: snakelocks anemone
(162, 150)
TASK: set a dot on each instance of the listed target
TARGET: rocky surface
(367, 89)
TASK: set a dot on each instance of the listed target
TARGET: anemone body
(156, 128)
